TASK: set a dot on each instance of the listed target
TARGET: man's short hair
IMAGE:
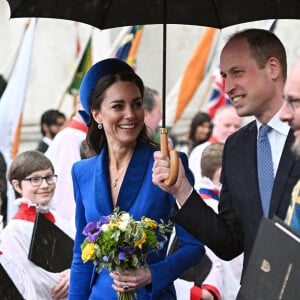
(49, 117)
(263, 44)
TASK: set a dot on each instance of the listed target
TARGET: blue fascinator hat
(94, 74)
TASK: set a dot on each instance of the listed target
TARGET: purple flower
(92, 231)
(122, 255)
(124, 250)
(104, 220)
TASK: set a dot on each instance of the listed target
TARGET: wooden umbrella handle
(174, 158)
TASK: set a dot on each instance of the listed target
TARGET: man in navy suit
(253, 64)
(290, 110)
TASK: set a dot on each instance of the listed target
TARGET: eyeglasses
(37, 180)
(292, 102)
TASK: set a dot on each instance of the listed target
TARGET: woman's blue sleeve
(81, 273)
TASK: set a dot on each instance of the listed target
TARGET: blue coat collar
(131, 184)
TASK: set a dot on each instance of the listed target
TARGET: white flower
(123, 225)
(125, 217)
(104, 227)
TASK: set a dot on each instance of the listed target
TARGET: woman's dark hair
(96, 138)
(199, 119)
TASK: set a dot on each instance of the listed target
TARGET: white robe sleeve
(63, 152)
(15, 243)
(19, 276)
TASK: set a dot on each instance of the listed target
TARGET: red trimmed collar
(77, 125)
(28, 213)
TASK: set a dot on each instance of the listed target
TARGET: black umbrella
(105, 14)
(116, 13)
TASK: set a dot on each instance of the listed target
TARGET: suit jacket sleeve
(222, 232)
(190, 252)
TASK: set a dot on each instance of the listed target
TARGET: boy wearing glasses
(32, 176)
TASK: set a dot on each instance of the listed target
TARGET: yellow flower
(150, 223)
(88, 253)
(141, 241)
(112, 224)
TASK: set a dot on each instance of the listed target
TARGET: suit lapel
(250, 143)
(131, 183)
(253, 149)
(134, 177)
(286, 162)
(101, 184)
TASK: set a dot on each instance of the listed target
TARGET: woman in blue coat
(120, 174)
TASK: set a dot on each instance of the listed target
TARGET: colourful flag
(195, 71)
(12, 100)
(8, 65)
(293, 214)
(218, 96)
(129, 46)
(84, 65)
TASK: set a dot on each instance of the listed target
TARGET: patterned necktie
(265, 167)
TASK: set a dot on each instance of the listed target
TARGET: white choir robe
(15, 244)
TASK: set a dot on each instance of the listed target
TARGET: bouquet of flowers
(118, 242)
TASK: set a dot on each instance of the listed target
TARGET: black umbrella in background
(116, 13)
(105, 14)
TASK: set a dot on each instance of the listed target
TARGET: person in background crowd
(52, 121)
(225, 122)
(32, 176)
(199, 132)
(253, 65)
(119, 175)
(290, 112)
(152, 107)
(63, 152)
(85, 151)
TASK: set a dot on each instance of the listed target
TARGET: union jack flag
(218, 96)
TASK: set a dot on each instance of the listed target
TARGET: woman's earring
(100, 126)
